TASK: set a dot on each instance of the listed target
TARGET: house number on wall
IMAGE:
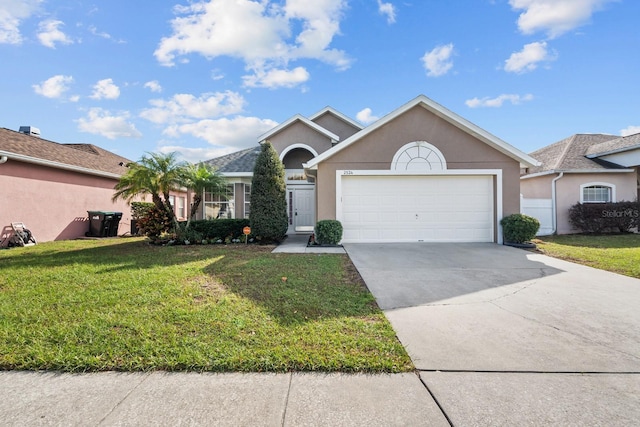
(347, 173)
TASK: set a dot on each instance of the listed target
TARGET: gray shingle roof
(615, 145)
(569, 154)
(81, 155)
(240, 161)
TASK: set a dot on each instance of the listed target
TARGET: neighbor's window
(247, 200)
(178, 209)
(220, 205)
(596, 194)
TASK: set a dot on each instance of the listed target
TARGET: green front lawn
(120, 304)
(617, 253)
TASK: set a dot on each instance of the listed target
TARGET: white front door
(302, 209)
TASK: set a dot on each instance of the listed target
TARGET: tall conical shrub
(268, 216)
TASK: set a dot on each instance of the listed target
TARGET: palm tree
(199, 178)
(155, 174)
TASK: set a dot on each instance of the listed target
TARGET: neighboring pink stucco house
(584, 168)
(50, 186)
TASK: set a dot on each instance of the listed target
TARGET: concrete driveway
(502, 336)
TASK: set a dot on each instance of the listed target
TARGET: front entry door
(303, 209)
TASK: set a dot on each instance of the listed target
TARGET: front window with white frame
(597, 192)
(222, 205)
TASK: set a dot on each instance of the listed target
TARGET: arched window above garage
(418, 156)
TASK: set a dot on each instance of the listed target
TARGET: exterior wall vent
(30, 130)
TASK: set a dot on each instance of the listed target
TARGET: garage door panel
(445, 208)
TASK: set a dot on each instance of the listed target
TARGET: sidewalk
(297, 244)
(169, 399)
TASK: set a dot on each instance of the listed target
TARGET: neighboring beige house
(421, 173)
(584, 168)
(50, 186)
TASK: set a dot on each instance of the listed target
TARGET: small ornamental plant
(519, 228)
(328, 232)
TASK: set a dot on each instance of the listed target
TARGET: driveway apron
(495, 330)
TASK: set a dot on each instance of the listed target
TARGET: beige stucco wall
(334, 124)
(300, 133)
(537, 188)
(568, 191)
(53, 203)
(376, 150)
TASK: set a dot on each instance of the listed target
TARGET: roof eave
(58, 165)
(337, 114)
(237, 174)
(616, 151)
(291, 121)
(557, 171)
(524, 159)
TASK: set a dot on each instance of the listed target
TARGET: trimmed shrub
(604, 217)
(328, 232)
(519, 228)
(269, 218)
(220, 228)
(140, 209)
(150, 220)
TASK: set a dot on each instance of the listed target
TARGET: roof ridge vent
(30, 130)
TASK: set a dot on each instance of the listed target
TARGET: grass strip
(619, 253)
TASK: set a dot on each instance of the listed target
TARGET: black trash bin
(115, 222)
(100, 223)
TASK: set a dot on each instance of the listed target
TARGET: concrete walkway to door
(503, 336)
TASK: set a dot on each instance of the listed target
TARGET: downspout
(554, 205)
(3, 159)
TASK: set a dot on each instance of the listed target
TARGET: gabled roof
(441, 112)
(299, 118)
(338, 114)
(569, 155)
(238, 162)
(617, 145)
(84, 158)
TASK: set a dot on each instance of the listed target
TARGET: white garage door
(442, 208)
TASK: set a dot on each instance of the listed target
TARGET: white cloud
(528, 58)
(12, 13)
(365, 116)
(555, 17)
(438, 61)
(186, 107)
(49, 33)
(105, 89)
(153, 86)
(216, 74)
(276, 78)
(94, 30)
(102, 122)
(389, 10)
(263, 33)
(53, 87)
(630, 130)
(195, 155)
(498, 101)
(225, 133)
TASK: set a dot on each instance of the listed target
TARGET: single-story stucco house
(50, 186)
(583, 168)
(421, 173)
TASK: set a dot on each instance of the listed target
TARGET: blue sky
(205, 78)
